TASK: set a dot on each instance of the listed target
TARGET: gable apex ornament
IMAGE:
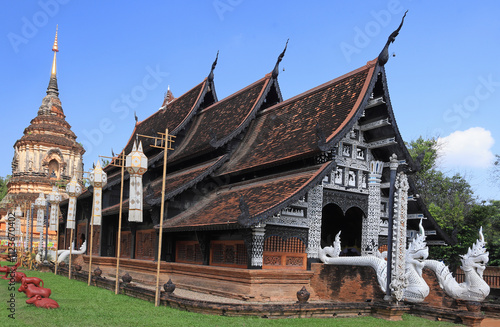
(211, 75)
(383, 57)
(280, 57)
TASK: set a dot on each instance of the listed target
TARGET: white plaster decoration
(371, 224)
(474, 288)
(258, 233)
(398, 277)
(314, 212)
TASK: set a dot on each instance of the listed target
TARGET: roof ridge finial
(383, 57)
(280, 57)
(52, 88)
(211, 75)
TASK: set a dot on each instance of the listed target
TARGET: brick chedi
(47, 152)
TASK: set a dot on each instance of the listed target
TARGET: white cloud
(469, 148)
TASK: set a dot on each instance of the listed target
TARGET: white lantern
(98, 178)
(54, 199)
(136, 164)
(40, 204)
(74, 189)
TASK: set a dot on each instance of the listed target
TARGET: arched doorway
(334, 220)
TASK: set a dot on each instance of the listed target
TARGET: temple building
(258, 182)
(46, 155)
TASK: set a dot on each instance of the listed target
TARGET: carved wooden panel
(145, 244)
(125, 244)
(228, 254)
(188, 252)
(281, 254)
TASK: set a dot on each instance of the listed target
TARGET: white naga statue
(63, 254)
(416, 289)
(473, 264)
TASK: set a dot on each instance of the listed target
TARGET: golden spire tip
(55, 48)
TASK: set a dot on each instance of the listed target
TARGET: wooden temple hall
(255, 184)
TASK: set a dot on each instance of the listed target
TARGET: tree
(3, 186)
(450, 201)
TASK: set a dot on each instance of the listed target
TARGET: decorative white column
(314, 212)
(74, 189)
(371, 224)
(136, 164)
(54, 199)
(258, 245)
(98, 178)
(40, 204)
(399, 280)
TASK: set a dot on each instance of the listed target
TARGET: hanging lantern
(98, 178)
(54, 199)
(136, 164)
(40, 204)
(74, 189)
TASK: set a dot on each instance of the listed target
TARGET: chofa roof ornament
(280, 57)
(383, 57)
(211, 75)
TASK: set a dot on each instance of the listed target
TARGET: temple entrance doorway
(334, 220)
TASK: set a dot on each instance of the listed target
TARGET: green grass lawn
(82, 305)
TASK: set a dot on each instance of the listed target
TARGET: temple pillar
(371, 224)
(257, 253)
(314, 212)
(399, 281)
(133, 231)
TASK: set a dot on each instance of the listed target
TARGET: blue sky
(119, 57)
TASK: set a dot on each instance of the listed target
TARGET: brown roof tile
(173, 117)
(218, 123)
(221, 208)
(181, 180)
(289, 130)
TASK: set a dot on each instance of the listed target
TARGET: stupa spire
(52, 88)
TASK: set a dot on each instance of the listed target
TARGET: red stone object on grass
(41, 302)
(31, 290)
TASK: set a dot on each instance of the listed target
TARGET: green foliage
(82, 305)
(3, 186)
(452, 203)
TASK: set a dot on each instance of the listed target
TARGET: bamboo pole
(165, 152)
(119, 225)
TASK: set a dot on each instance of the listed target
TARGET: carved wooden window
(289, 254)
(145, 244)
(188, 252)
(228, 254)
(125, 244)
